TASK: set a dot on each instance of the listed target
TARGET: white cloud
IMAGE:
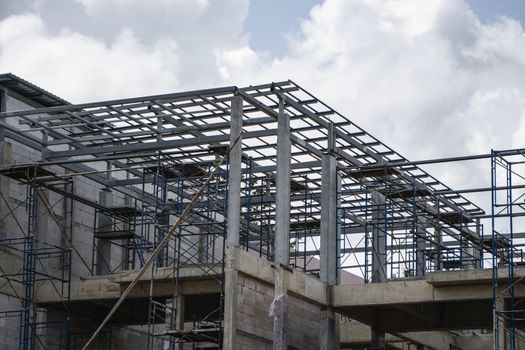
(80, 67)
(426, 77)
(116, 48)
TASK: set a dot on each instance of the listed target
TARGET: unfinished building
(243, 218)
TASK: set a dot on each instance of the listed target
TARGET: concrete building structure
(242, 218)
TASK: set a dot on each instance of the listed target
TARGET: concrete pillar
(179, 316)
(328, 330)
(438, 240)
(437, 247)
(127, 254)
(378, 257)
(280, 310)
(282, 229)
(421, 232)
(499, 322)
(477, 250)
(40, 329)
(378, 339)
(233, 226)
(329, 248)
(103, 258)
(202, 256)
(328, 272)
(282, 201)
(378, 238)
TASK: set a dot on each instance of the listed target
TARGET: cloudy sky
(429, 78)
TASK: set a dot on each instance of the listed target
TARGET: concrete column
(40, 329)
(282, 229)
(499, 322)
(127, 254)
(280, 310)
(329, 248)
(378, 238)
(378, 257)
(378, 339)
(437, 247)
(282, 201)
(438, 240)
(202, 256)
(233, 226)
(45, 152)
(477, 250)
(179, 316)
(328, 272)
(421, 232)
(103, 257)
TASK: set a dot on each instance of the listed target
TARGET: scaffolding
(152, 154)
(42, 264)
(404, 227)
(507, 179)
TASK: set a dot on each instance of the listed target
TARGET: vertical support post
(45, 139)
(438, 241)
(40, 329)
(328, 255)
(127, 252)
(378, 256)
(500, 323)
(477, 250)
(378, 238)
(233, 226)
(6, 153)
(179, 316)
(378, 339)
(104, 246)
(329, 247)
(421, 232)
(282, 202)
(282, 229)
(5, 159)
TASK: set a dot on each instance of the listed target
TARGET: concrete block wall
(255, 325)
(9, 326)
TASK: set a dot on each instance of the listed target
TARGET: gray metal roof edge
(7, 80)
